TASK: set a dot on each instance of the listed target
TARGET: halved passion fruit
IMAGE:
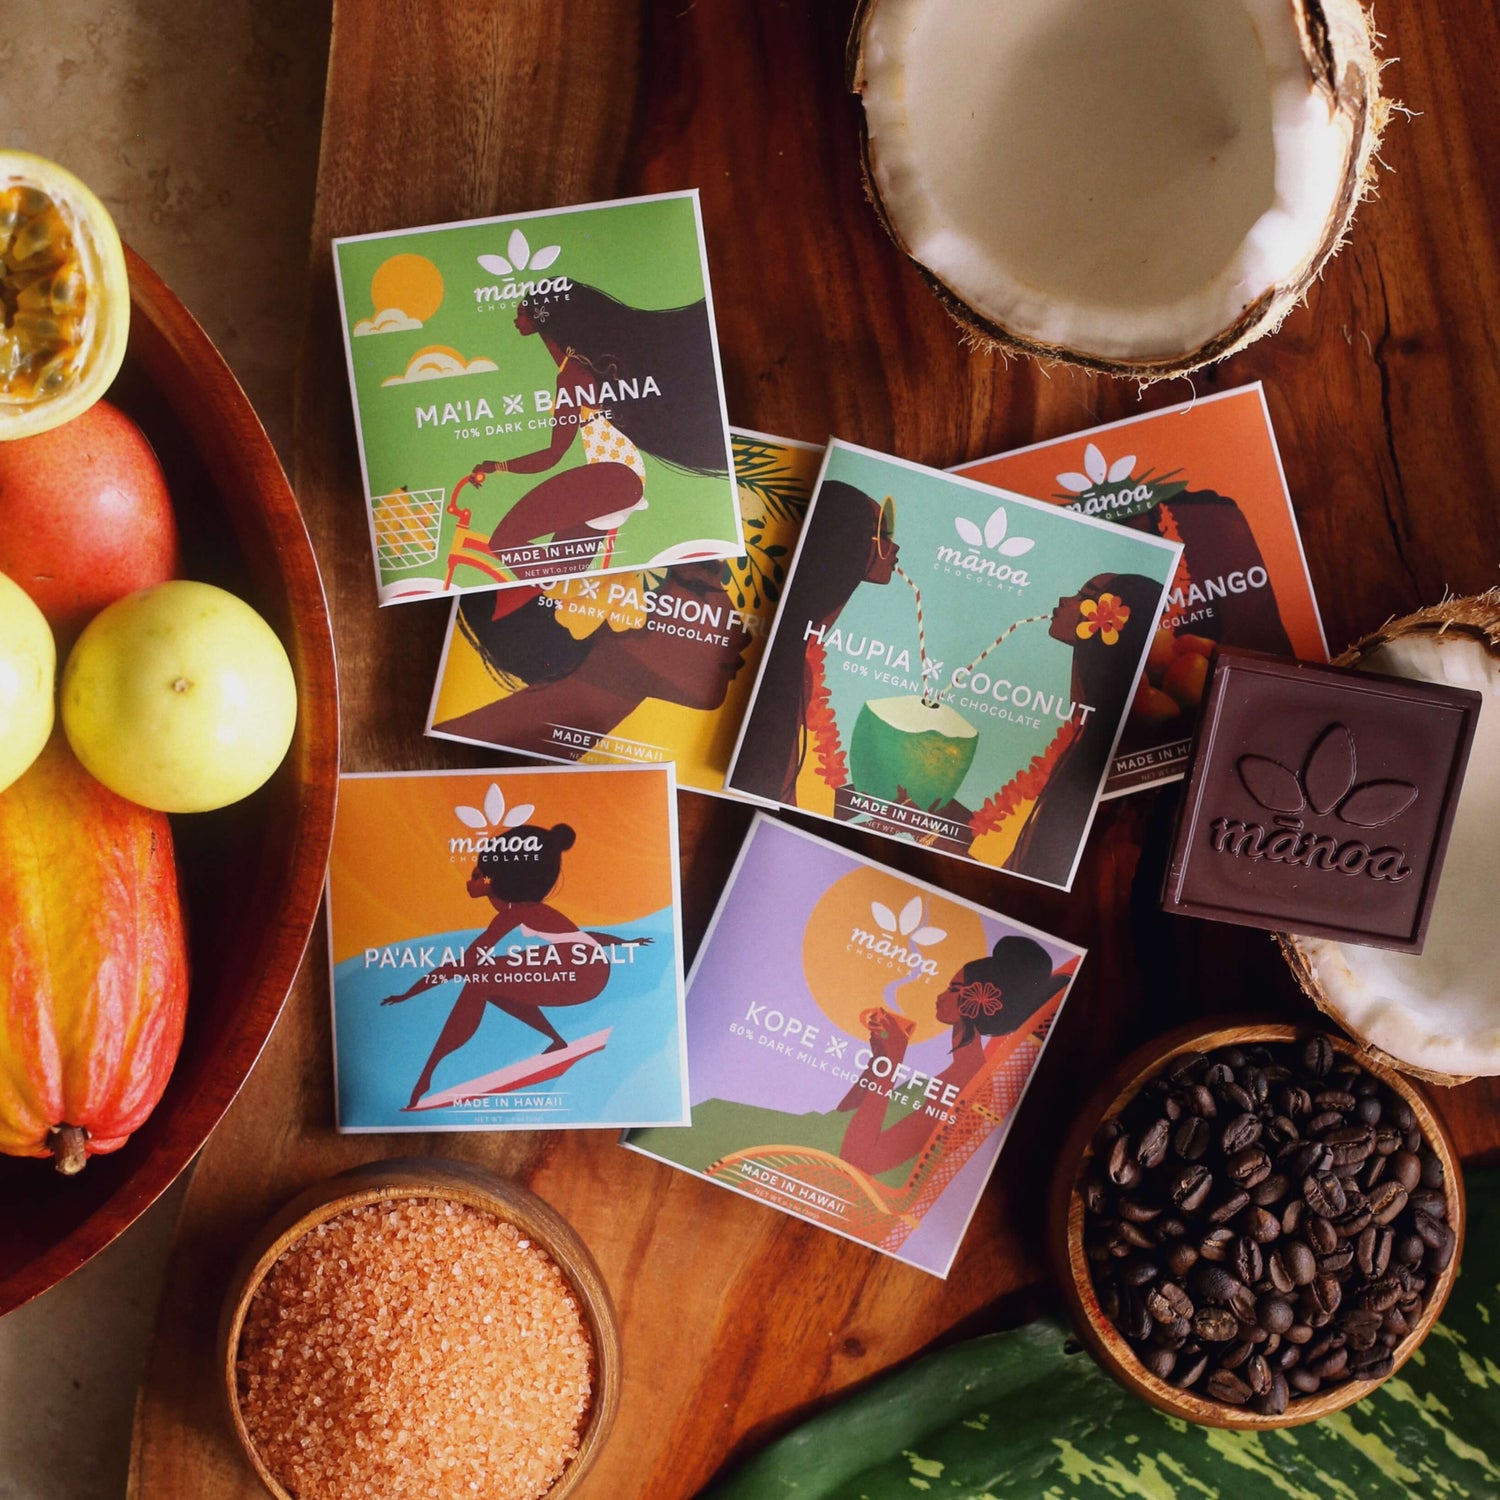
(64, 298)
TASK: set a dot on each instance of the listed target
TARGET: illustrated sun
(409, 283)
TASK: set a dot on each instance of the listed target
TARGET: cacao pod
(93, 963)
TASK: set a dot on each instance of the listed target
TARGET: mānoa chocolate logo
(900, 939)
(491, 825)
(520, 259)
(992, 539)
(1326, 787)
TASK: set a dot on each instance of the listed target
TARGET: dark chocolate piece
(1319, 800)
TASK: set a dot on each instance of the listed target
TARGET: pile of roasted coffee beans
(1262, 1222)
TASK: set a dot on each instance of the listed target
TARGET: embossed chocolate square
(1320, 800)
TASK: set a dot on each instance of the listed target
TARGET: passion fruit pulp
(64, 298)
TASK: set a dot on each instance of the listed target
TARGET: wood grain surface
(1384, 392)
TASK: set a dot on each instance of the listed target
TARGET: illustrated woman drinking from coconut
(516, 875)
(632, 383)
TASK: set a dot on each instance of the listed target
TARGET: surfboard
(524, 1074)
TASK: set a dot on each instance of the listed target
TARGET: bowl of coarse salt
(422, 1330)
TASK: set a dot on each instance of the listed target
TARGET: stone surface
(198, 126)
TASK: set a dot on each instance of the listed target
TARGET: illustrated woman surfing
(516, 885)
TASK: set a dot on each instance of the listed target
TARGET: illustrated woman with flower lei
(1105, 623)
(987, 998)
(594, 339)
(516, 881)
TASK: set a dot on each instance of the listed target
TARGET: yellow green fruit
(28, 664)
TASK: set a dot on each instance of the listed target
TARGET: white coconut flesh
(1115, 179)
(1439, 1010)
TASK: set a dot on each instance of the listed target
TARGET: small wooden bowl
(251, 874)
(1065, 1223)
(454, 1182)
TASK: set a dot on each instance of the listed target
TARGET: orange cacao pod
(93, 963)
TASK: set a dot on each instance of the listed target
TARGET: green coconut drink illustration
(912, 748)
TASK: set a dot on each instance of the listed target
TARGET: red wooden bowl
(252, 874)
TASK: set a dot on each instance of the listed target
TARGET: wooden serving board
(1385, 393)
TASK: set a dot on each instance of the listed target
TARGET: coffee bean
(1387, 1201)
(1302, 1379)
(1187, 1067)
(1372, 1251)
(1274, 1402)
(1139, 1212)
(1218, 1244)
(1294, 1101)
(1160, 1362)
(1224, 1385)
(1172, 1334)
(1309, 1159)
(1406, 1168)
(1373, 1172)
(1282, 1131)
(1242, 1305)
(1320, 1234)
(1438, 1256)
(1329, 1366)
(1318, 1056)
(1300, 1263)
(1191, 1138)
(1431, 1231)
(1138, 1323)
(1228, 1206)
(1261, 1225)
(1278, 1274)
(1401, 1114)
(1151, 1148)
(1216, 1075)
(1242, 1131)
(1339, 1100)
(1274, 1313)
(1258, 1374)
(1249, 1264)
(1350, 1145)
(1323, 1295)
(1380, 1295)
(1271, 1191)
(1375, 1366)
(1214, 1284)
(1134, 1234)
(1236, 1355)
(1388, 1140)
(1241, 1098)
(1369, 1110)
(1249, 1167)
(1200, 1101)
(1394, 1324)
(1191, 1186)
(1325, 1195)
(1353, 1223)
(1432, 1170)
(1430, 1202)
(1167, 1301)
(1190, 1371)
(1181, 1258)
(1337, 1264)
(1215, 1325)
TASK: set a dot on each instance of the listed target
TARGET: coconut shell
(1477, 617)
(1339, 44)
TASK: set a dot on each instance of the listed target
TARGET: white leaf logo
(496, 265)
(1093, 459)
(924, 936)
(911, 915)
(1076, 482)
(885, 918)
(519, 814)
(544, 257)
(1017, 546)
(494, 804)
(518, 250)
(1121, 468)
(994, 528)
(968, 531)
(471, 817)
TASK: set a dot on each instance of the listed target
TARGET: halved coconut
(1437, 1013)
(1138, 186)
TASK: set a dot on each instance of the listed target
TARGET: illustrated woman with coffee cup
(988, 1000)
(516, 873)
